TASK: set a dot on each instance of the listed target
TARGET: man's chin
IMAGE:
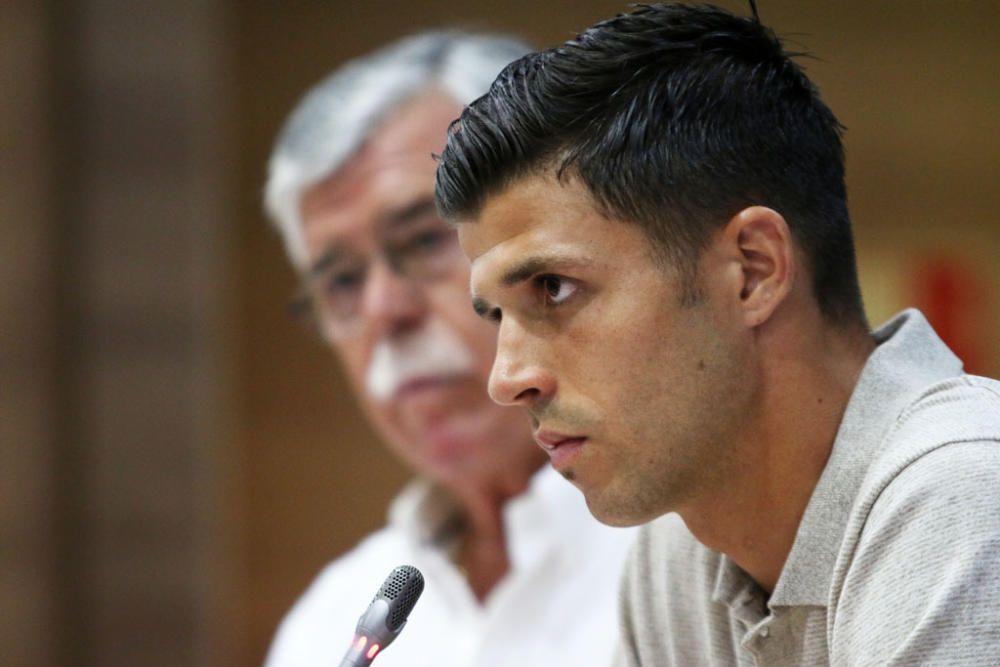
(451, 444)
(445, 420)
(439, 446)
(614, 511)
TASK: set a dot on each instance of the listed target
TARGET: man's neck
(755, 518)
(482, 555)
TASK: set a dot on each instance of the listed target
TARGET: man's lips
(561, 447)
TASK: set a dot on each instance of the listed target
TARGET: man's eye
(556, 289)
(343, 281)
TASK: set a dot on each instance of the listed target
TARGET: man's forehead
(540, 207)
(534, 227)
(423, 120)
(479, 239)
(358, 179)
(397, 156)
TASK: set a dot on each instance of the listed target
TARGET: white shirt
(556, 606)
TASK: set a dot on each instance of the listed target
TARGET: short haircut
(335, 117)
(675, 118)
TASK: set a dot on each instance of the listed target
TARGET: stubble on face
(682, 446)
(655, 383)
(687, 441)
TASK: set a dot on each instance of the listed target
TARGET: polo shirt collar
(909, 357)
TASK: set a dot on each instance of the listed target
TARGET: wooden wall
(28, 536)
(116, 454)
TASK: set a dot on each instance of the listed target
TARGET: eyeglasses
(422, 248)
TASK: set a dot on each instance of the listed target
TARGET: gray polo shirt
(897, 558)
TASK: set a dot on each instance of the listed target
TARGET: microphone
(386, 615)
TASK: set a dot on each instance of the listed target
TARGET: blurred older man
(517, 571)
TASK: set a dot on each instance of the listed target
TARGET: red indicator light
(372, 651)
(360, 645)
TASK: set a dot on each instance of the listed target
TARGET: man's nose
(516, 377)
(391, 303)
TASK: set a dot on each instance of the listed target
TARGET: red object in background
(954, 300)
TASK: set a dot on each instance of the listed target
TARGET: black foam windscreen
(402, 589)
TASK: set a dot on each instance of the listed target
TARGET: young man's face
(389, 285)
(635, 396)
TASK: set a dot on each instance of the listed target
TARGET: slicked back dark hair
(675, 118)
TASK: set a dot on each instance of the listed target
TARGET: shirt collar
(737, 590)
(909, 357)
(550, 513)
(426, 515)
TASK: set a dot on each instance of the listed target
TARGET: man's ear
(761, 243)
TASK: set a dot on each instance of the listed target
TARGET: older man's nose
(392, 304)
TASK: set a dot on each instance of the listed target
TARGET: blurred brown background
(178, 459)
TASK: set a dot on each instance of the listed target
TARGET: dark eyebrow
(523, 270)
(529, 266)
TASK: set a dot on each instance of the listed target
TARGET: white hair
(334, 118)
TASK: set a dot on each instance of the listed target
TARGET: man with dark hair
(508, 551)
(657, 221)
